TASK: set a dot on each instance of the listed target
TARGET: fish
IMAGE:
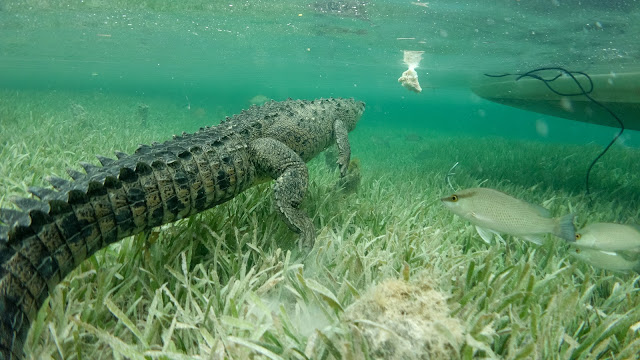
(609, 246)
(608, 260)
(609, 237)
(494, 212)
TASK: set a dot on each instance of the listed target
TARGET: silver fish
(609, 246)
(608, 260)
(494, 212)
(609, 237)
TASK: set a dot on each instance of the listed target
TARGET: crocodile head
(351, 114)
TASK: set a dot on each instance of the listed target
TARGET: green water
(74, 75)
(206, 53)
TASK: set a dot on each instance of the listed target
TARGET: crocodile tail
(45, 240)
(50, 236)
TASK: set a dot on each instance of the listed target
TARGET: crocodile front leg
(275, 160)
(344, 149)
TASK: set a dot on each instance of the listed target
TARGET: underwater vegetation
(231, 282)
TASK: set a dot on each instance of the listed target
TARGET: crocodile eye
(577, 251)
(454, 197)
(578, 236)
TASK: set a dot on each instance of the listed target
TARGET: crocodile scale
(158, 184)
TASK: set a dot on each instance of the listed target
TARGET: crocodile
(47, 236)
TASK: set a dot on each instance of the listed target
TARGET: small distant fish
(413, 137)
(609, 237)
(608, 260)
(494, 212)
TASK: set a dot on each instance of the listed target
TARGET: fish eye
(577, 251)
(454, 197)
(578, 236)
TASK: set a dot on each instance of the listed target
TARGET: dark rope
(584, 92)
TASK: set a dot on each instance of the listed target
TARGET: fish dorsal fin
(542, 211)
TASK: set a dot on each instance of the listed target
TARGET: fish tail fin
(565, 229)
